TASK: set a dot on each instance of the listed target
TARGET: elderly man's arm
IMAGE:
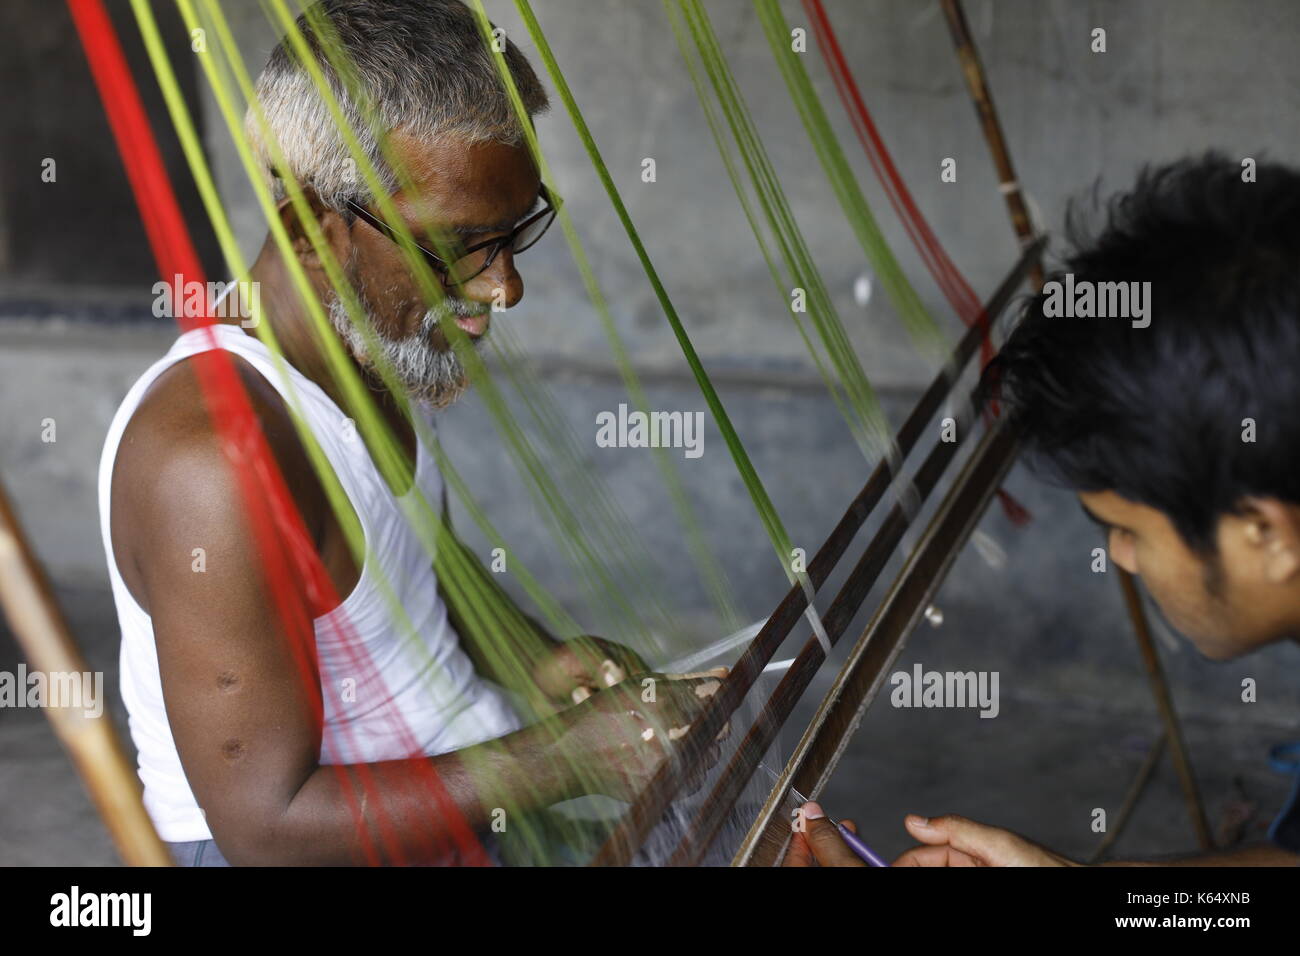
(505, 644)
(241, 701)
(514, 649)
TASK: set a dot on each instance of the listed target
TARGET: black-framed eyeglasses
(473, 259)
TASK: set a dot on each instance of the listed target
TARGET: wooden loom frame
(876, 647)
(860, 678)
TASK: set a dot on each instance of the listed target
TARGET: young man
(1179, 430)
(235, 765)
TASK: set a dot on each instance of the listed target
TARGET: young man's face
(1245, 596)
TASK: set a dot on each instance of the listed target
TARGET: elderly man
(235, 765)
(1178, 430)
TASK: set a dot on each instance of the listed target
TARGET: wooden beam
(864, 672)
(1165, 705)
(980, 94)
(91, 742)
(646, 811)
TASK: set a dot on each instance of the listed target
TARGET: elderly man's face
(470, 193)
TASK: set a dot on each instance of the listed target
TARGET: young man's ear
(333, 227)
(1271, 531)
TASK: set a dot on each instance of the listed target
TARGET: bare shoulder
(172, 444)
(173, 480)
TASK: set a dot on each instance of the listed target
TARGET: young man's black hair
(1157, 413)
(1176, 418)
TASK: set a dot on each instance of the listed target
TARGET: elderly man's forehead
(457, 184)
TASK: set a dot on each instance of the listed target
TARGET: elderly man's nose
(498, 285)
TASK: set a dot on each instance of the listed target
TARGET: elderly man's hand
(615, 740)
(575, 669)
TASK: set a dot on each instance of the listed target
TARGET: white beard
(432, 377)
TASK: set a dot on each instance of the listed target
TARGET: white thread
(694, 660)
(814, 619)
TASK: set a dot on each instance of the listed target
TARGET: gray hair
(420, 66)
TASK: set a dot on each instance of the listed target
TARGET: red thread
(297, 580)
(951, 282)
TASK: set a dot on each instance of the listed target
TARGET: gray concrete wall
(1179, 76)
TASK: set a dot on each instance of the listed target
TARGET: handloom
(585, 521)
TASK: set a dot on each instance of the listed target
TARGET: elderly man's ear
(335, 230)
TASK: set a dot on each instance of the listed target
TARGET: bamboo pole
(977, 84)
(1130, 799)
(982, 97)
(91, 742)
(1165, 704)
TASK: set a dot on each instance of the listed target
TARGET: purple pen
(864, 852)
(855, 842)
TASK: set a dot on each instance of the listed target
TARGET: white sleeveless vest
(429, 685)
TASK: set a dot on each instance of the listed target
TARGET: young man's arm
(951, 840)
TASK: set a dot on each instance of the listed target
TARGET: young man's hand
(817, 843)
(951, 840)
(948, 840)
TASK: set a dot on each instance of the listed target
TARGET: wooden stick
(34, 617)
(980, 95)
(780, 704)
(866, 668)
(649, 806)
(1165, 704)
(1131, 798)
(977, 83)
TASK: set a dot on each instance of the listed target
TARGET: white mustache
(450, 308)
(431, 375)
(460, 307)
